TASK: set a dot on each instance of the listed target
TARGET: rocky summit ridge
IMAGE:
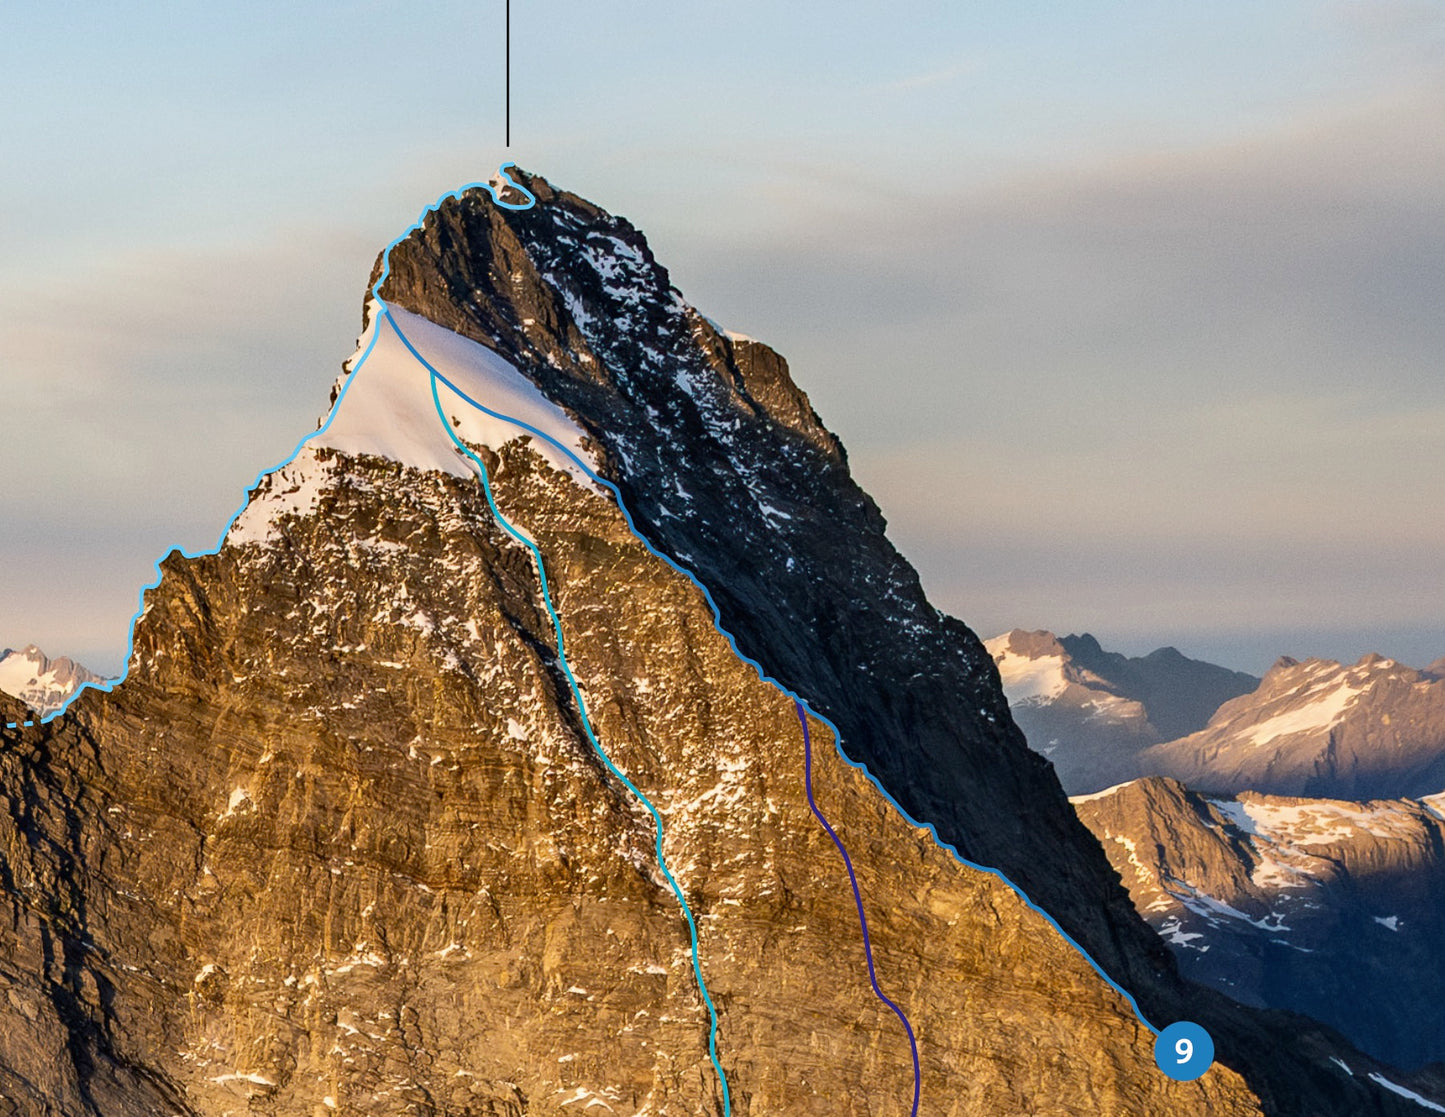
(1372, 729)
(342, 843)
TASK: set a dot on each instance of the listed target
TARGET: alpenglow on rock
(341, 841)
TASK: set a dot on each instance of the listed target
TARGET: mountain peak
(1028, 644)
(575, 296)
(1374, 728)
(1084, 644)
(42, 683)
(451, 699)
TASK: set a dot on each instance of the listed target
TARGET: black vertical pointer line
(508, 38)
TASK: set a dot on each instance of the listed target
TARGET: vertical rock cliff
(438, 790)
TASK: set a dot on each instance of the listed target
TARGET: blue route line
(765, 677)
(105, 686)
(109, 684)
(582, 706)
(858, 900)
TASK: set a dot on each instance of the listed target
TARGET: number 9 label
(1184, 1051)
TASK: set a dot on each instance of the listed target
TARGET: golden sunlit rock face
(343, 842)
(340, 836)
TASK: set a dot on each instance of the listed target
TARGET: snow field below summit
(19, 676)
(1323, 712)
(1035, 681)
(389, 411)
(385, 409)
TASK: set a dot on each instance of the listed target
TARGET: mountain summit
(1372, 729)
(457, 781)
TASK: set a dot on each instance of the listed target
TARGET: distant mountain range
(1373, 729)
(1093, 712)
(1327, 907)
(1285, 835)
(41, 683)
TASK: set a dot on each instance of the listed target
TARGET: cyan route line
(110, 684)
(858, 900)
(105, 686)
(586, 719)
(765, 677)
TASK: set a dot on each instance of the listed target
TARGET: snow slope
(1374, 729)
(384, 408)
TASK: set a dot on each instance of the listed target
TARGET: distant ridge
(1181, 694)
(1374, 729)
(41, 683)
(1323, 906)
(1092, 712)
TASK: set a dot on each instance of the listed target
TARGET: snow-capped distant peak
(1030, 666)
(1374, 729)
(41, 683)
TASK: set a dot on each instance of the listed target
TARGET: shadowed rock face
(728, 471)
(339, 843)
(1327, 907)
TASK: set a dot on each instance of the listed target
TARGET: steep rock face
(758, 503)
(752, 493)
(41, 683)
(340, 843)
(1326, 907)
(1375, 729)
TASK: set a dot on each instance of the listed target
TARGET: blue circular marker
(1184, 1051)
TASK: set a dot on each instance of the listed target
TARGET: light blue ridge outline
(105, 686)
(765, 677)
(582, 710)
(109, 684)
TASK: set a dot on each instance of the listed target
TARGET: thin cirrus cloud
(1129, 319)
(943, 75)
(1188, 392)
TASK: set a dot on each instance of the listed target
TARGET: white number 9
(1184, 1049)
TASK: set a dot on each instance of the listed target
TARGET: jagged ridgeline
(359, 833)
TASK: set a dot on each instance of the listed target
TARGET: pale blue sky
(1128, 313)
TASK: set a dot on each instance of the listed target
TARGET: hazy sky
(1130, 315)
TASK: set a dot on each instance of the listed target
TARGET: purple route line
(857, 899)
